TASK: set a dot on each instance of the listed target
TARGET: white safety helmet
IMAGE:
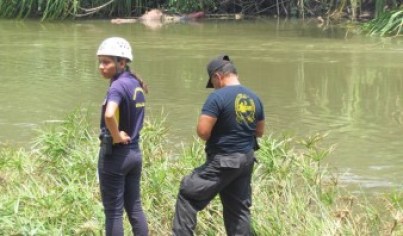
(115, 46)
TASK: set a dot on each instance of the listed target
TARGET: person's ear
(218, 75)
(122, 64)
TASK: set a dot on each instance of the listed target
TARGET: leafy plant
(293, 194)
(387, 24)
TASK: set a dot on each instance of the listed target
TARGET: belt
(129, 145)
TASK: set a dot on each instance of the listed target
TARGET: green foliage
(16, 9)
(386, 24)
(61, 9)
(183, 6)
(53, 189)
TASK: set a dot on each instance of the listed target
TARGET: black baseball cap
(214, 65)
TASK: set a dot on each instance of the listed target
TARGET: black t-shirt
(237, 110)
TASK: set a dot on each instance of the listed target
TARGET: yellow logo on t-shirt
(137, 90)
(244, 108)
(139, 102)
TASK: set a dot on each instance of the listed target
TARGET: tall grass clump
(62, 9)
(386, 24)
(52, 9)
(52, 189)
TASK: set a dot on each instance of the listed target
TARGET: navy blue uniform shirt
(126, 91)
(237, 110)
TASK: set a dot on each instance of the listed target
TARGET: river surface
(311, 79)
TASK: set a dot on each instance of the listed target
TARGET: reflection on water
(311, 79)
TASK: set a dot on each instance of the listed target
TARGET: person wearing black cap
(231, 119)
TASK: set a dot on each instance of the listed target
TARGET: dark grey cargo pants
(227, 175)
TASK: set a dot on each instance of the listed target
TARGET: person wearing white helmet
(120, 158)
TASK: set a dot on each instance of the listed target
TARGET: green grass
(52, 188)
(386, 24)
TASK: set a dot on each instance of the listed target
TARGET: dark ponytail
(141, 81)
(143, 85)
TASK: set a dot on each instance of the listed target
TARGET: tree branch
(90, 11)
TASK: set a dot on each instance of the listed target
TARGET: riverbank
(57, 9)
(52, 188)
(384, 17)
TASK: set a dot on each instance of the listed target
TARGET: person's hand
(123, 138)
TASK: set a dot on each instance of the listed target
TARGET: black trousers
(226, 175)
